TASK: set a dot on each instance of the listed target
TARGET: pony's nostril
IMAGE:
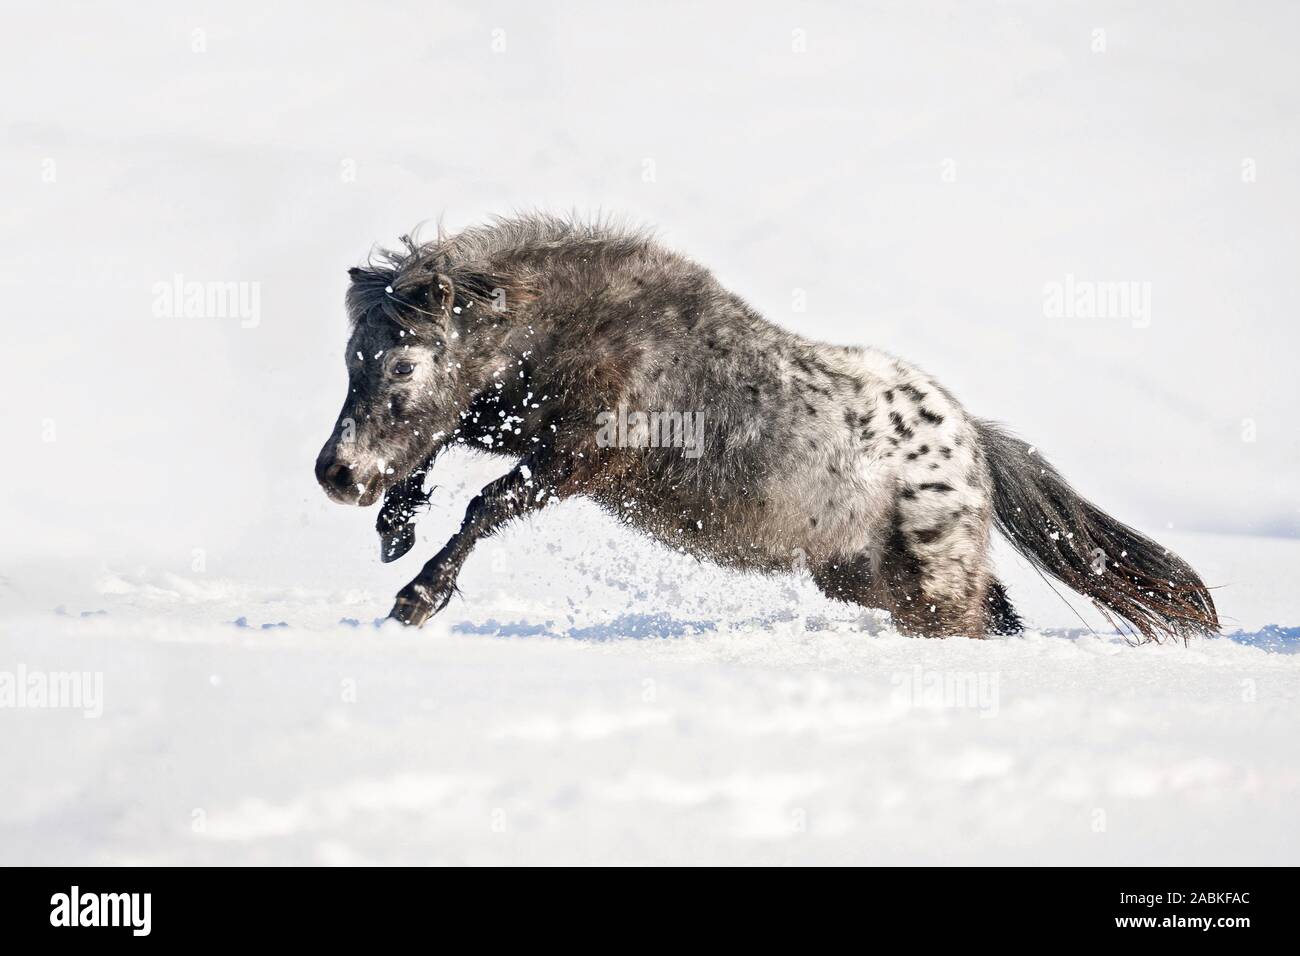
(337, 476)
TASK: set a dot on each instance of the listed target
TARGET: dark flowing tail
(1125, 573)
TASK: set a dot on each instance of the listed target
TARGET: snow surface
(914, 177)
(593, 698)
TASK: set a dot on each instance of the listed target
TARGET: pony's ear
(465, 296)
(442, 294)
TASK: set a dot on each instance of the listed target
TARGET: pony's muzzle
(343, 485)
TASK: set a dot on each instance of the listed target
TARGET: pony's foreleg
(396, 524)
(517, 493)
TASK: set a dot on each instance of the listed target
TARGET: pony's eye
(403, 368)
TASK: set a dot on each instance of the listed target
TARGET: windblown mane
(479, 261)
(538, 232)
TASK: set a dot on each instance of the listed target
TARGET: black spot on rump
(899, 426)
(926, 535)
(912, 392)
(935, 486)
(931, 417)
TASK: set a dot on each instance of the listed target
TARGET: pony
(603, 365)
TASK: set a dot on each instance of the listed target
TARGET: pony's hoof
(393, 544)
(412, 612)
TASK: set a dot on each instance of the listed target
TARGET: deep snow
(594, 698)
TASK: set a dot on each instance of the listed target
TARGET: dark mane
(399, 285)
(395, 285)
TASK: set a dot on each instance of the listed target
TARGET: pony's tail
(1125, 573)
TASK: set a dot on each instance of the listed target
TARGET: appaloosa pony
(582, 352)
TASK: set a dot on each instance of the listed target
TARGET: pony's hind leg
(931, 587)
(895, 582)
(851, 581)
(930, 597)
(999, 616)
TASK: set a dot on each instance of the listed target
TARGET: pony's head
(412, 314)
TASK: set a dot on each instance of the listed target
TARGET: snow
(912, 179)
(593, 698)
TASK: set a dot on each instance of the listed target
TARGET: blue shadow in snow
(1273, 638)
(243, 622)
(629, 627)
(634, 627)
(641, 627)
(496, 629)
